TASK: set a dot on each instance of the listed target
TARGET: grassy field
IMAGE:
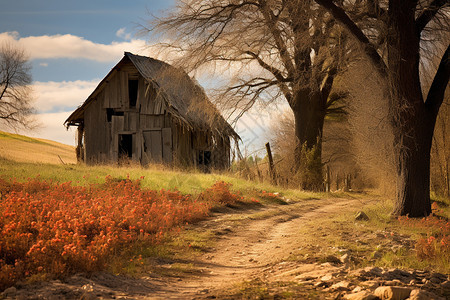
(22, 157)
(407, 243)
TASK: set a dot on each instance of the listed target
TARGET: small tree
(15, 92)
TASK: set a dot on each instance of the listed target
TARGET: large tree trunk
(412, 157)
(309, 116)
(413, 123)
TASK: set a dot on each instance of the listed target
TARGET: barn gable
(149, 111)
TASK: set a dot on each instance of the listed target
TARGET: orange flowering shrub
(269, 195)
(57, 229)
(437, 244)
(219, 193)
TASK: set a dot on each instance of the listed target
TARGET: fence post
(327, 180)
(271, 165)
(337, 181)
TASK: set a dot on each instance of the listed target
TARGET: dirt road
(247, 245)
(247, 251)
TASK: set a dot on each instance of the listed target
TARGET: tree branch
(428, 14)
(277, 73)
(436, 93)
(328, 84)
(369, 49)
(281, 45)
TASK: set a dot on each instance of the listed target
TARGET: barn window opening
(111, 112)
(204, 158)
(132, 92)
(126, 145)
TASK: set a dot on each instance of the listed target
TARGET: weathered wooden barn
(148, 111)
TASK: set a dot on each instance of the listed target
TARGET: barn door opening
(204, 160)
(125, 146)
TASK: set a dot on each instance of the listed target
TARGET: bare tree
(279, 50)
(396, 36)
(15, 92)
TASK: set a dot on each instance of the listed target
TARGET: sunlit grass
(155, 177)
(26, 149)
(383, 240)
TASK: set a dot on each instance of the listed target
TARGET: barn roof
(185, 98)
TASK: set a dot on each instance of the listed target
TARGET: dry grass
(32, 150)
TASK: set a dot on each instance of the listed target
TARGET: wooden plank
(167, 145)
(156, 146)
(163, 107)
(142, 120)
(126, 122)
(117, 91)
(124, 89)
(146, 146)
(112, 92)
(115, 149)
(153, 145)
(144, 97)
(133, 147)
(133, 121)
(151, 105)
(108, 141)
(130, 121)
(175, 139)
(157, 108)
(102, 98)
(117, 124)
(138, 142)
(140, 92)
(156, 122)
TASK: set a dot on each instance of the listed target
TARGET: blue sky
(97, 21)
(72, 45)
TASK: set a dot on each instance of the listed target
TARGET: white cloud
(53, 128)
(61, 96)
(43, 64)
(71, 46)
(123, 34)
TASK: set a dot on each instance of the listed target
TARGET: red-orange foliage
(437, 244)
(219, 193)
(269, 195)
(60, 229)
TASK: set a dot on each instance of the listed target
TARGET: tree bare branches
(15, 92)
(256, 38)
(270, 50)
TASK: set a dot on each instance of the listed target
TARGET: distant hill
(26, 149)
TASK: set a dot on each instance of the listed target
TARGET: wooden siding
(96, 137)
(156, 136)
